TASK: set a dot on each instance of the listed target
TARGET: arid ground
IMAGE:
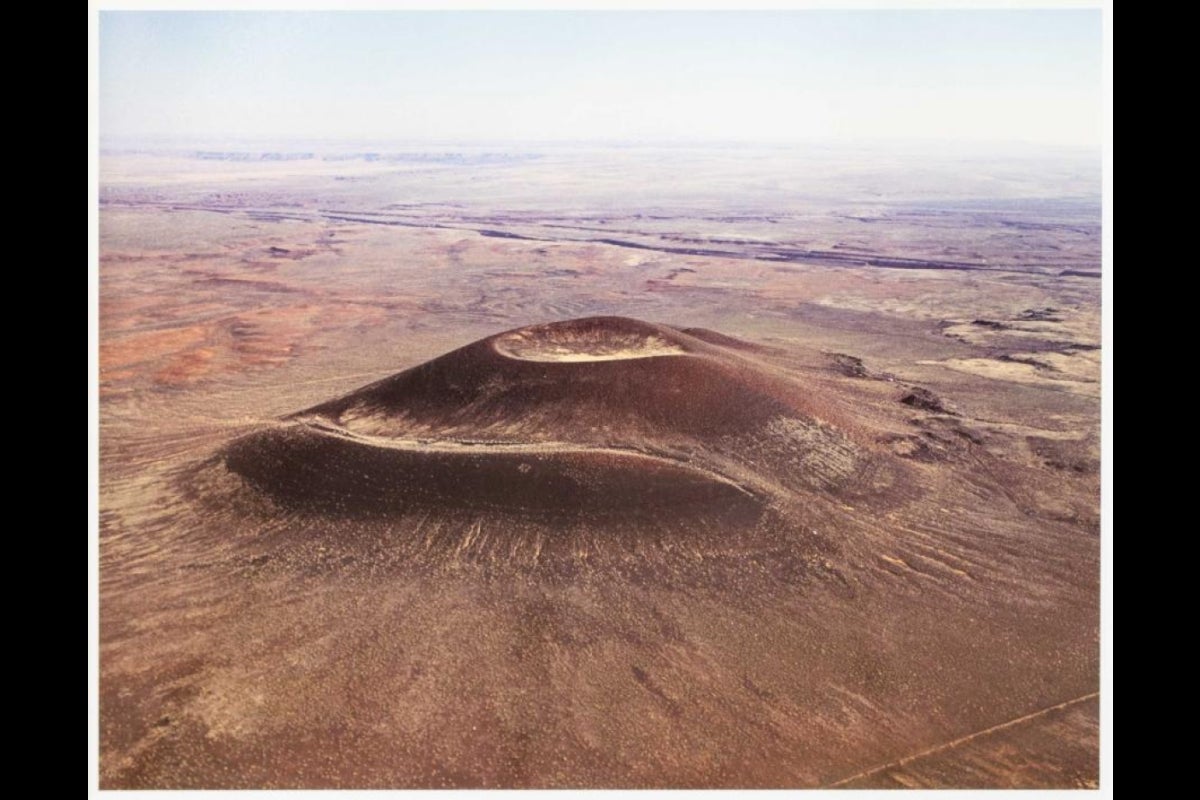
(627, 467)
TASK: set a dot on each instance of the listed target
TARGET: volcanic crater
(583, 420)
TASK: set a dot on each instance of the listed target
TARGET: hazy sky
(1017, 75)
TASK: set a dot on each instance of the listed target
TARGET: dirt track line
(960, 740)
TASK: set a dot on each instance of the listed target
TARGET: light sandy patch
(1019, 372)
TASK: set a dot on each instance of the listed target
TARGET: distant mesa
(596, 417)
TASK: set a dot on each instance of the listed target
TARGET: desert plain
(598, 466)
